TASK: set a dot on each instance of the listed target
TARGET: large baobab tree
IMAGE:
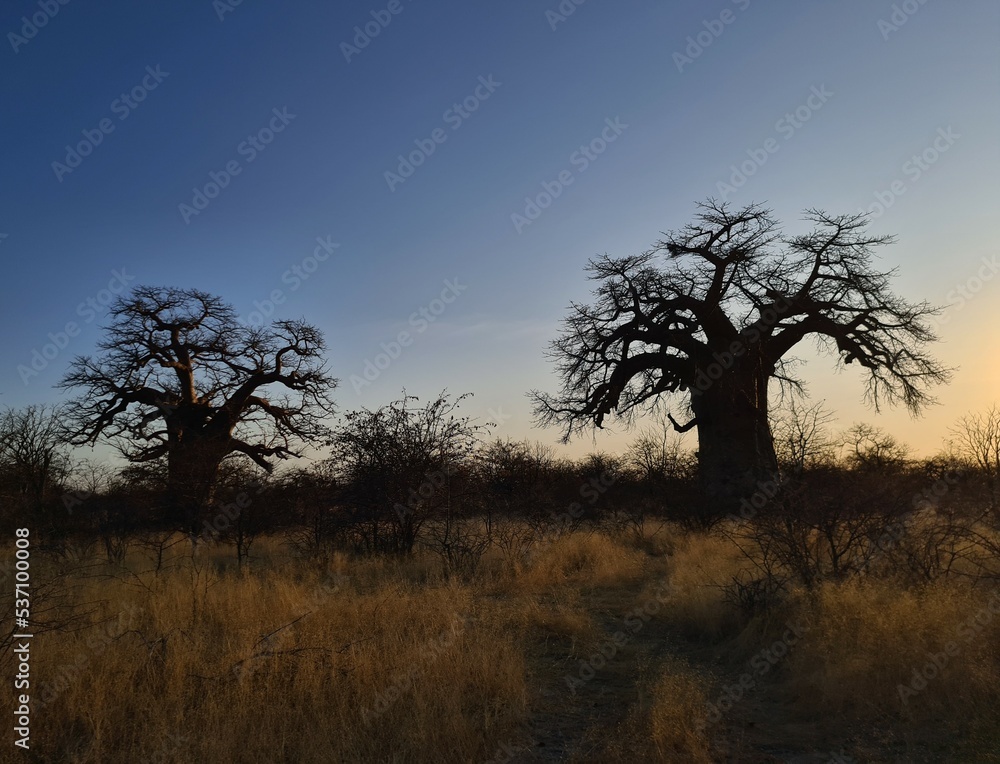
(178, 376)
(711, 313)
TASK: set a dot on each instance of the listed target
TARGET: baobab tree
(711, 313)
(178, 376)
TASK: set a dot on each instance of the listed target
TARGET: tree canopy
(179, 376)
(712, 312)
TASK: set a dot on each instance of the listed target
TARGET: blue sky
(213, 77)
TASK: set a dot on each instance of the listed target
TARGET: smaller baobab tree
(179, 376)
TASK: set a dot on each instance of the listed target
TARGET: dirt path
(590, 723)
(574, 723)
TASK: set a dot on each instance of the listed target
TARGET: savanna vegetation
(427, 596)
(419, 589)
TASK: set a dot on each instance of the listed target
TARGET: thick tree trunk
(192, 471)
(736, 458)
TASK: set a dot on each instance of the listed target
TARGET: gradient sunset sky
(301, 118)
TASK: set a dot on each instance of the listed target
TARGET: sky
(372, 168)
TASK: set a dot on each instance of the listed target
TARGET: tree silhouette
(33, 461)
(397, 466)
(977, 439)
(712, 312)
(179, 376)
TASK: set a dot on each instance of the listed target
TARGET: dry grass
(582, 559)
(384, 660)
(667, 721)
(700, 566)
(868, 643)
(675, 720)
(262, 667)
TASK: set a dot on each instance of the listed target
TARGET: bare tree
(515, 476)
(306, 497)
(33, 459)
(250, 512)
(657, 453)
(398, 466)
(712, 312)
(977, 439)
(663, 470)
(801, 436)
(867, 447)
(97, 496)
(179, 376)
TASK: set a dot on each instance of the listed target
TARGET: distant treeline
(406, 475)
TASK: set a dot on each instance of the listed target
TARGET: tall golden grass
(385, 660)
(312, 666)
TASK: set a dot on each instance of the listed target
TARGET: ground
(597, 646)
